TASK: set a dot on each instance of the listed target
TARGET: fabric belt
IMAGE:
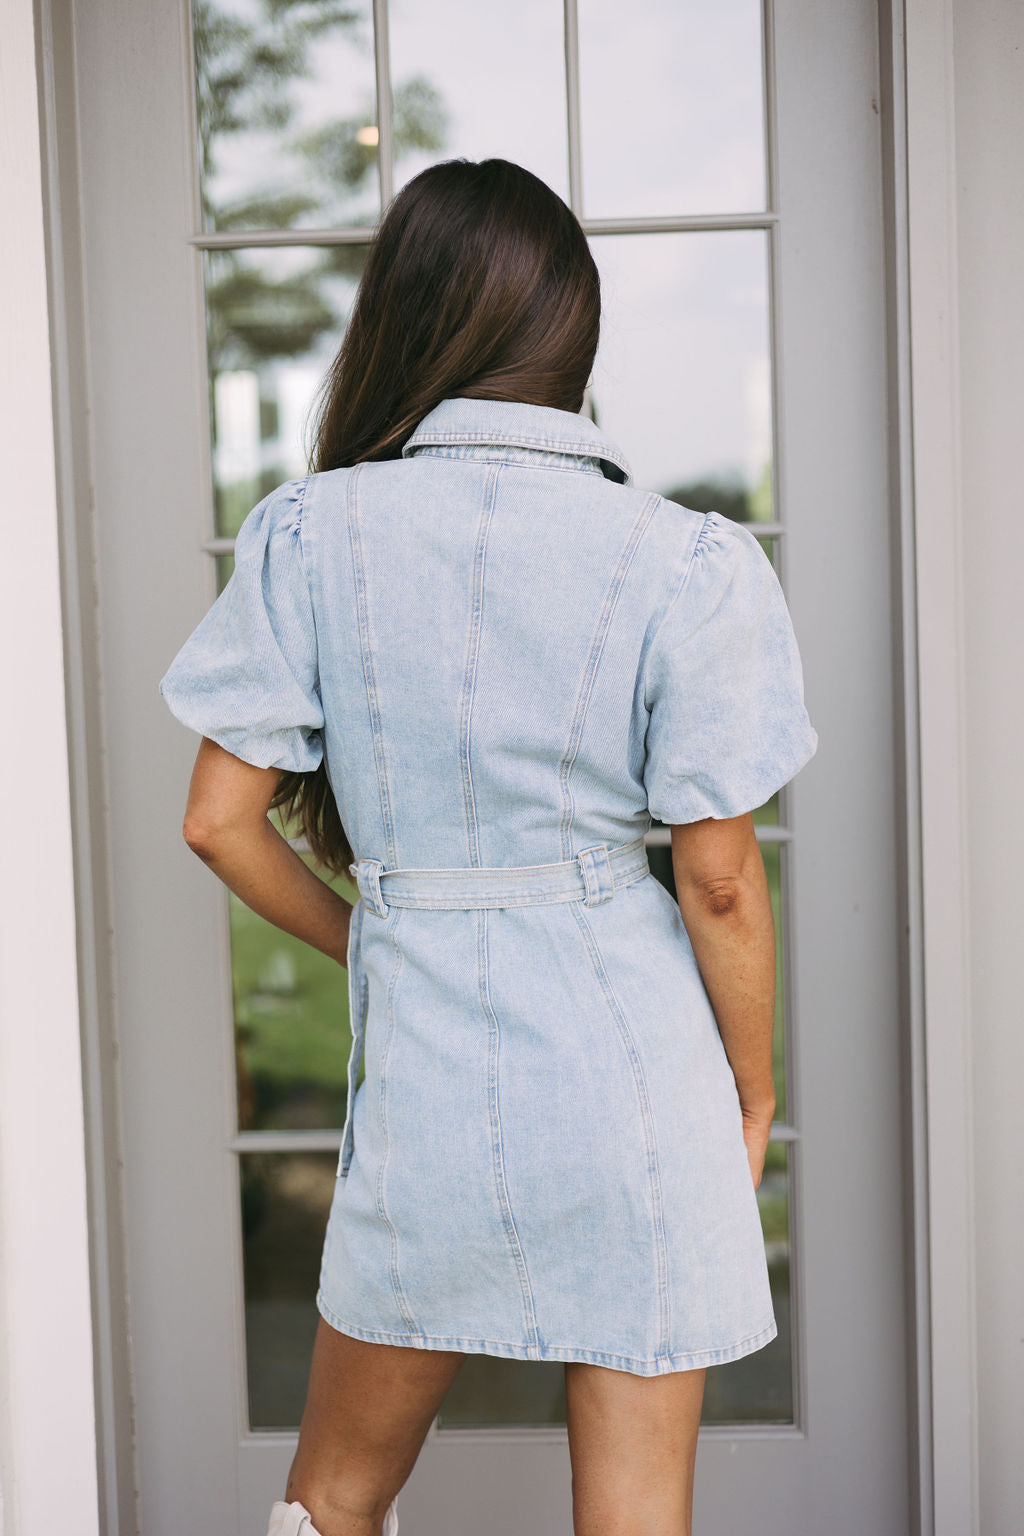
(593, 876)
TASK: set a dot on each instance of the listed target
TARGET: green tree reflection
(250, 62)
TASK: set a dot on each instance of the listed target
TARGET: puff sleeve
(723, 685)
(247, 677)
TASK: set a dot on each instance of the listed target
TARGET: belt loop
(597, 874)
(367, 873)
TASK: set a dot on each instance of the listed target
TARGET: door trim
(917, 96)
(112, 1443)
(935, 726)
(47, 1334)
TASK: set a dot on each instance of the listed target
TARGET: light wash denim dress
(512, 658)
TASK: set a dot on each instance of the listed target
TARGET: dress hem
(680, 1360)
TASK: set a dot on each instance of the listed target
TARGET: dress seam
(577, 446)
(680, 585)
(470, 671)
(396, 1282)
(593, 665)
(660, 1364)
(358, 994)
(302, 481)
(297, 526)
(507, 463)
(376, 729)
(653, 1167)
(497, 1146)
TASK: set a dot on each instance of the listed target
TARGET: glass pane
(286, 105)
(671, 106)
(767, 815)
(773, 855)
(274, 321)
(682, 379)
(490, 1391)
(292, 1030)
(484, 81)
(758, 1389)
(660, 859)
(286, 1198)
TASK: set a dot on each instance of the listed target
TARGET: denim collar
(461, 427)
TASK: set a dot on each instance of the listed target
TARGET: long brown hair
(479, 283)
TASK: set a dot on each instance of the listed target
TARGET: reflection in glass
(495, 77)
(286, 1198)
(767, 815)
(671, 105)
(274, 321)
(492, 1391)
(758, 1389)
(773, 855)
(292, 1030)
(287, 115)
(682, 380)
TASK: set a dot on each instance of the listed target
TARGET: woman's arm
(226, 825)
(723, 897)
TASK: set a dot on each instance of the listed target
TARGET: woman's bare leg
(632, 1443)
(368, 1410)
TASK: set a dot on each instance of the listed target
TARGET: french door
(725, 160)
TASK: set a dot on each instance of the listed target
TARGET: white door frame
(917, 34)
(48, 1462)
(934, 633)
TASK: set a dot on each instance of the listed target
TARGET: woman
(476, 660)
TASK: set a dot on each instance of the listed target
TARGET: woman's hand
(757, 1125)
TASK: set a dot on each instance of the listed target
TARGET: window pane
(758, 1389)
(767, 815)
(773, 856)
(292, 1030)
(286, 1198)
(682, 379)
(484, 80)
(286, 104)
(671, 105)
(274, 320)
(489, 1391)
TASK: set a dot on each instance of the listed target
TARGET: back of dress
(506, 649)
(511, 658)
(482, 611)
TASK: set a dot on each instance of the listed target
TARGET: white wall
(47, 1430)
(989, 97)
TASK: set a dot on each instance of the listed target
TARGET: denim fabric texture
(511, 658)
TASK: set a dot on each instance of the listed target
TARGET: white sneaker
(291, 1520)
(294, 1520)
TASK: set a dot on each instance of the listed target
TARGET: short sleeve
(247, 676)
(724, 685)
